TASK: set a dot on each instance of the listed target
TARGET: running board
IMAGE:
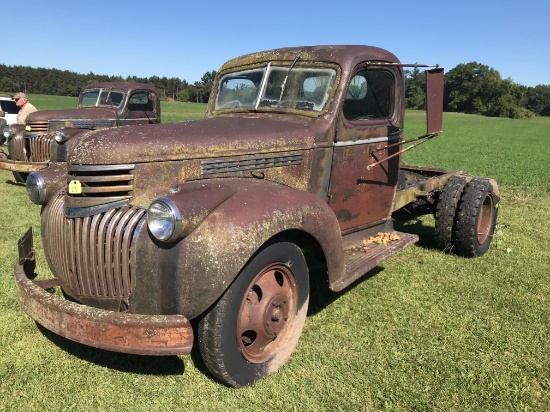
(364, 251)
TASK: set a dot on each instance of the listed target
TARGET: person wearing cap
(24, 107)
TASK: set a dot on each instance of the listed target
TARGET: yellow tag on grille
(75, 188)
(28, 128)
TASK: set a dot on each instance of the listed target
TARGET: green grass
(424, 331)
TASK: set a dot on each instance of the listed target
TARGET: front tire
(254, 327)
(20, 177)
(476, 219)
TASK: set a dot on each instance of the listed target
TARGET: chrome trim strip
(367, 141)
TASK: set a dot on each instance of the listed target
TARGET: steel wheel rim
(267, 313)
(485, 221)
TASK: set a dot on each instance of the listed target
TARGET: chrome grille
(19, 151)
(36, 127)
(39, 147)
(92, 254)
(241, 164)
(99, 184)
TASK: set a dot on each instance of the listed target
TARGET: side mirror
(2, 113)
(434, 100)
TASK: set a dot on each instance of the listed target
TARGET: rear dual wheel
(466, 216)
(476, 219)
(447, 210)
(252, 330)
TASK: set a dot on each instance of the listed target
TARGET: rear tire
(447, 210)
(253, 328)
(476, 219)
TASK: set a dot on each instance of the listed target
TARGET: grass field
(424, 331)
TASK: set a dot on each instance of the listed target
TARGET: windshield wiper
(286, 77)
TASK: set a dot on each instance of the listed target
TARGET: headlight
(164, 220)
(60, 137)
(7, 132)
(36, 188)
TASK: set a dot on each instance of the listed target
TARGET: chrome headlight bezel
(164, 220)
(7, 132)
(60, 137)
(36, 188)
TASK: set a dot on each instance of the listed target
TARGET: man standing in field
(24, 107)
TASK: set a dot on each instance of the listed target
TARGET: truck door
(370, 119)
(142, 108)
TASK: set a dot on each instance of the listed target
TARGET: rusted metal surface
(486, 219)
(224, 241)
(53, 179)
(267, 313)
(434, 100)
(361, 197)
(115, 331)
(420, 188)
(210, 138)
(91, 255)
(24, 167)
(365, 258)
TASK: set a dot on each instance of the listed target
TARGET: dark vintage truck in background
(100, 105)
(217, 223)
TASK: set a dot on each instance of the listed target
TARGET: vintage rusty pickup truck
(205, 232)
(100, 105)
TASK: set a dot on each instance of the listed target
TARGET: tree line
(469, 88)
(65, 83)
(475, 88)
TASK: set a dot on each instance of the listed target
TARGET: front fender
(194, 272)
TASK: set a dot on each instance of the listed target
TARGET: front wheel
(20, 177)
(252, 330)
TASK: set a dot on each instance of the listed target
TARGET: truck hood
(213, 137)
(72, 114)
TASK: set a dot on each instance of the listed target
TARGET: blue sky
(186, 39)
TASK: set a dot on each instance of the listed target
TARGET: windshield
(100, 98)
(295, 88)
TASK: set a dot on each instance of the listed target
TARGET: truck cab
(212, 228)
(100, 105)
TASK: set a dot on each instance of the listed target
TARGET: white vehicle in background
(8, 114)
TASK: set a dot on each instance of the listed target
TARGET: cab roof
(119, 85)
(346, 56)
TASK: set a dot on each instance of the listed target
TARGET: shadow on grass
(320, 296)
(14, 183)
(418, 227)
(141, 364)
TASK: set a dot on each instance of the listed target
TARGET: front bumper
(115, 331)
(18, 166)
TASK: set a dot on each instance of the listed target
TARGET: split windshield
(100, 98)
(276, 88)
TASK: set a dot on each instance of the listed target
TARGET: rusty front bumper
(17, 166)
(120, 332)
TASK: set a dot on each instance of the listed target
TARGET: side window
(370, 95)
(141, 101)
